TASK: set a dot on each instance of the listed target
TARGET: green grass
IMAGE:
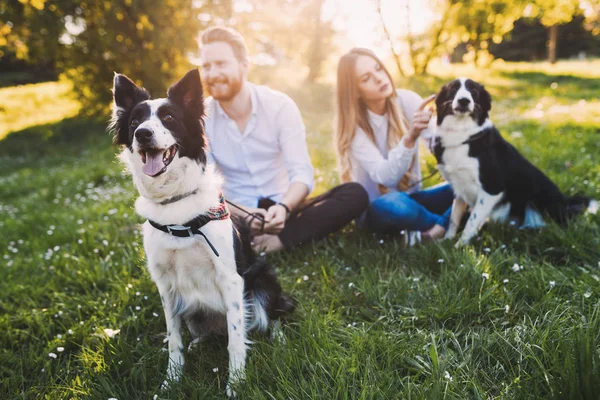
(375, 320)
(34, 104)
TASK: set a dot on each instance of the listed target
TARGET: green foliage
(147, 40)
(527, 41)
(479, 23)
(375, 320)
(88, 40)
(555, 12)
(29, 30)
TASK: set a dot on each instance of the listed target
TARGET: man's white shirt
(268, 156)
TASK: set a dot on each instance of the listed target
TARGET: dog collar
(191, 228)
(177, 198)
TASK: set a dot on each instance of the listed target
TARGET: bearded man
(257, 142)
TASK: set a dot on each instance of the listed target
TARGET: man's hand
(256, 224)
(275, 219)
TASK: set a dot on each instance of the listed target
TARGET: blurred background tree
(552, 14)
(154, 41)
(148, 40)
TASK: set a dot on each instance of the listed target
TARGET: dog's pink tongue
(154, 163)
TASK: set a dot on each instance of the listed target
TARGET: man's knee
(355, 195)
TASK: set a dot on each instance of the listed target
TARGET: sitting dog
(486, 172)
(205, 270)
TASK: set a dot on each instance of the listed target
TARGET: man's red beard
(232, 87)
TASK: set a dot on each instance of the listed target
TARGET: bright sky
(362, 24)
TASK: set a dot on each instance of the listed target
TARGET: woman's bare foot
(435, 233)
(267, 243)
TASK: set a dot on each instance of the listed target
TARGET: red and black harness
(191, 228)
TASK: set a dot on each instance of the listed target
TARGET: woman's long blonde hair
(351, 113)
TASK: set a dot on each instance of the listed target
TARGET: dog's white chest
(462, 172)
(187, 267)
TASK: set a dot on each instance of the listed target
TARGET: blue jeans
(418, 211)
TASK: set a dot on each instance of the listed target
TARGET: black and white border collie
(486, 172)
(211, 279)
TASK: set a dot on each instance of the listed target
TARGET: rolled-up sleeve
(383, 171)
(292, 141)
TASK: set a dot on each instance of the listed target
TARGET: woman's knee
(391, 205)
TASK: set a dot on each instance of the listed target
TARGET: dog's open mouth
(156, 161)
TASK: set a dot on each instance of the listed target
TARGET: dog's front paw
(165, 385)
(450, 234)
(174, 371)
(230, 392)
(461, 243)
(194, 344)
(235, 378)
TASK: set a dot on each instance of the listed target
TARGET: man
(258, 143)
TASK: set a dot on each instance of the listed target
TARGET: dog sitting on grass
(205, 270)
(487, 173)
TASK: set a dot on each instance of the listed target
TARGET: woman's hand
(420, 122)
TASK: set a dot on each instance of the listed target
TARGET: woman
(376, 139)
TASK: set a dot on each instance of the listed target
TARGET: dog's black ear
(126, 95)
(485, 100)
(440, 99)
(187, 92)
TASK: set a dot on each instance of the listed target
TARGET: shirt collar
(376, 119)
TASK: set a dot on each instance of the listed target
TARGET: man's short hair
(230, 36)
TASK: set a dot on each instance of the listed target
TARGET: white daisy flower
(111, 332)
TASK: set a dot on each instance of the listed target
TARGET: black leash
(248, 213)
(434, 173)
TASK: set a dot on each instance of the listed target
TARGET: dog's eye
(134, 123)
(168, 117)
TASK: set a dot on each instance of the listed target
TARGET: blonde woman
(377, 134)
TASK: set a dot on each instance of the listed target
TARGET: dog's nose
(463, 102)
(143, 135)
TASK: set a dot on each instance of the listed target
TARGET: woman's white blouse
(373, 164)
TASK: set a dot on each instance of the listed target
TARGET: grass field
(513, 316)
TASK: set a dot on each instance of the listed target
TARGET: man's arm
(292, 141)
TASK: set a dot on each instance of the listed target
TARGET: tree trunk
(436, 40)
(389, 38)
(410, 39)
(552, 39)
(316, 53)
